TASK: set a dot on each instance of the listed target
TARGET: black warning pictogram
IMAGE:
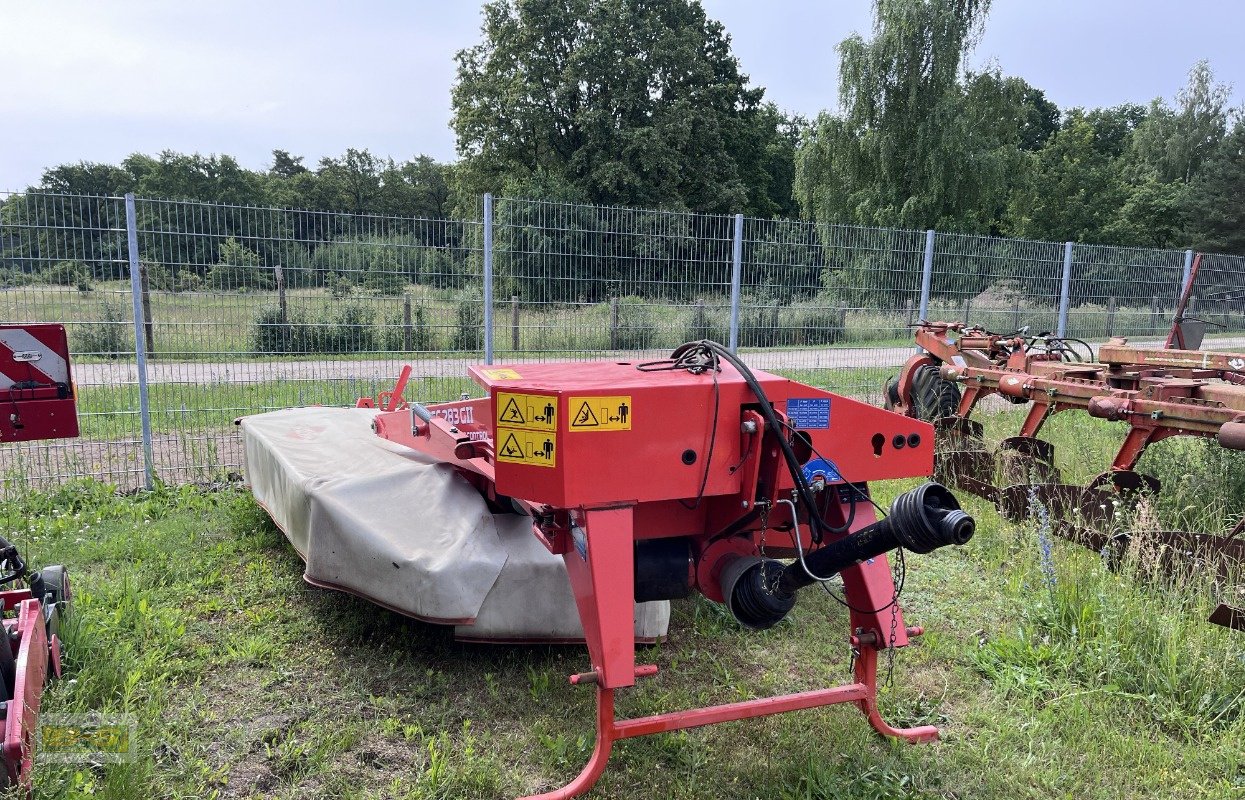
(512, 414)
(584, 418)
(511, 448)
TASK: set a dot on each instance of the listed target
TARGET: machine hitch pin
(749, 426)
(586, 678)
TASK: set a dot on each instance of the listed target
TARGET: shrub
(350, 330)
(68, 273)
(273, 334)
(354, 330)
(635, 329)
(340, 287)
(706, 323)
(238, 267)
(761, 326)
(160, 279)
(422, 338)
(383, 274)
(11, 276)
(109, 336)
(469, 323)
(813, 323)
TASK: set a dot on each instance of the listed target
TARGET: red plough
(1157, 393)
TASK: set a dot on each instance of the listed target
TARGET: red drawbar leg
(600, 565)
(867, 674)
(600, 754)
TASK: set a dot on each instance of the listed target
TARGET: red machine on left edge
(695, 473)
(36, 402)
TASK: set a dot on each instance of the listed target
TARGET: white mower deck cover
(381, 521)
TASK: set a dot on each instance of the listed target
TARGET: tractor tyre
(57, 597)
(890, 393)
(933, 397)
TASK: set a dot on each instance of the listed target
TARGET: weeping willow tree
(916, 143)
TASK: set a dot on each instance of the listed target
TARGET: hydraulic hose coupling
(760, 592)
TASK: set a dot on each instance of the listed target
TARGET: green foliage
(110, 336)
(468, 323)
(383, 276)
(421, 338)
(161, 279)
(914, 147)
(707, 322)
(238, 267)
(635, 329)
(1215, 203)
(349, 329)
(546, 96)
(273, 333)
(68, 273)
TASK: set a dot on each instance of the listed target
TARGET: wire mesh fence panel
(1123, 291)
(63, 259)
(999, 284)
(575, 281)
(251, 309)
(830, 304)
(1218, 299)
(254, 309)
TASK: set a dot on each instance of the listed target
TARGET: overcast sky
(96, 81)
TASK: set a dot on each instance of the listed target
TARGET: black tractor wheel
(932, 396)
(890, 394)
(57, 596)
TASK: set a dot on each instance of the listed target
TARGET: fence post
(613, 323)
(1016, 313)
(968, 304)
(514, 322)
(408, 334)
(488, 278)
(737, 257)
(927, 274)
(281, 301)
(1065, 290)
(140, 343)
(149, 334)
(1110, 317)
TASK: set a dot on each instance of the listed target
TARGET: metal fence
(183, 315)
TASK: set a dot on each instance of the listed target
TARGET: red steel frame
(610, 489)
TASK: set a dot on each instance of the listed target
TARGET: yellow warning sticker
(517, 446)
(500, 374)
(537, 412)
(600, 413)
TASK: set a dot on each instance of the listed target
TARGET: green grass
(1049, 675)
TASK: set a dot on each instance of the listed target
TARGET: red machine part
(33, 653)
(36, 392)
(608, 457)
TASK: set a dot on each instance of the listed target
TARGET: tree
(238, 268)
(285, 165)
(910, 147)
(1215, 205)
(1072, 186)
(612, 102)
(1173, 143)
